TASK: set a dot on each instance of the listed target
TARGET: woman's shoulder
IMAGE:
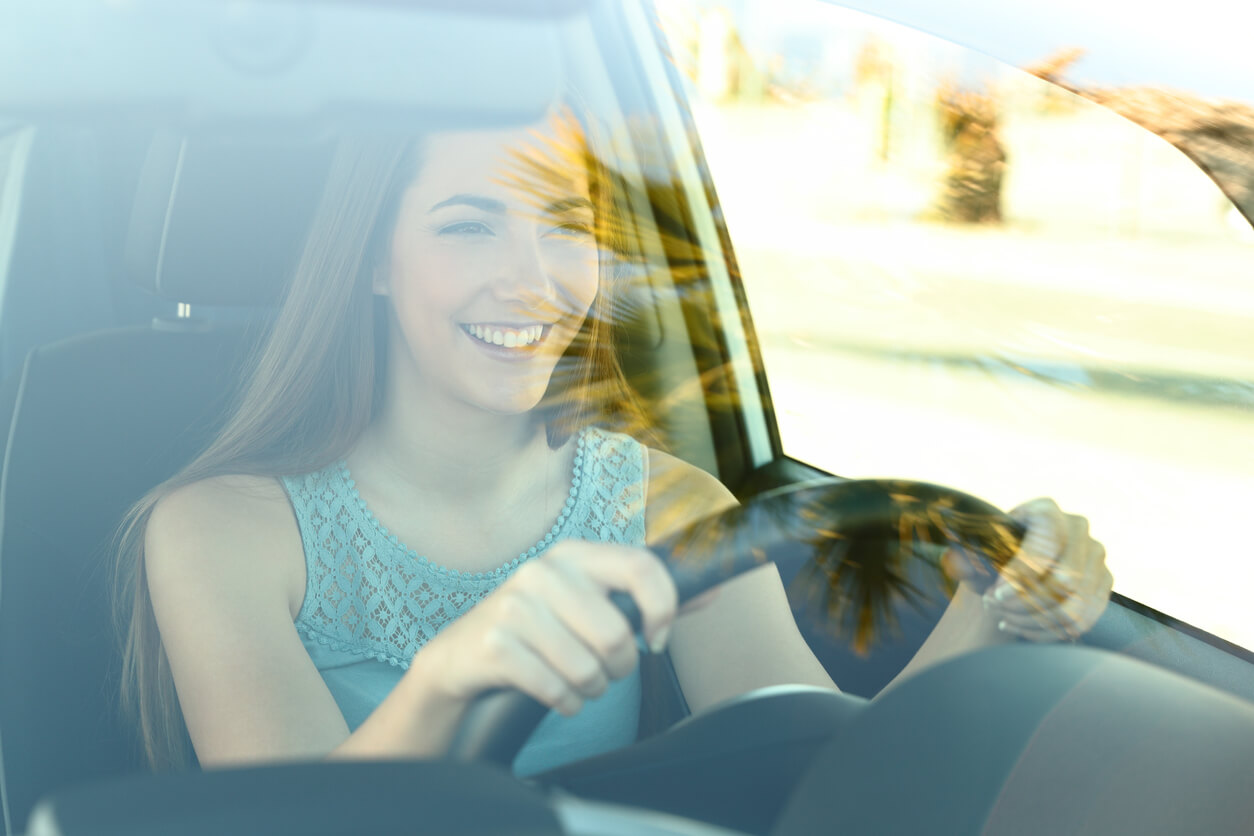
(680, 493)
(222, 502)
(226, 530)
(668, 475)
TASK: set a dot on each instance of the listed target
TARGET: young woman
(420, 497)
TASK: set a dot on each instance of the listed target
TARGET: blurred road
(1098, 348)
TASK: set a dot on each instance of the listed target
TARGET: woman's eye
(466, 229)
(572, 230)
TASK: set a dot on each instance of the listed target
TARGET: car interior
(114, 401)
(143, 267)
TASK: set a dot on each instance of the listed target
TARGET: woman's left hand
(1057, 585)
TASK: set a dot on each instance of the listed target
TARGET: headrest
(221, 221)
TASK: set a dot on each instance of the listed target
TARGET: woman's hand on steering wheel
(551, 631)
(1058, 584)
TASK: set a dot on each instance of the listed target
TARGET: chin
(502, 403)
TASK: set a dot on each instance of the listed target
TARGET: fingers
(1019, 595)
(590, 626)
(585, 672)
(1069, 620)
(523, 668)
(1058, 584)
(551, 630)
(1041, 553)
(635, 571)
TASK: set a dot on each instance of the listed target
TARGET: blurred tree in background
(976, 159)
(1217, 135)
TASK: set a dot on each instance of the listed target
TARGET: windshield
(555, 384)
(1015, 279)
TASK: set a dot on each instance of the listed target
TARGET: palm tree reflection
(860, 553)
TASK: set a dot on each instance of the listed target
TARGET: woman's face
(493, 264)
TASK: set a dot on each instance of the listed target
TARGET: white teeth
(508, 338)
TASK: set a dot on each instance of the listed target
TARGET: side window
(961, 273)
(15, 143)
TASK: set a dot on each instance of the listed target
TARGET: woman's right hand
(550, 629)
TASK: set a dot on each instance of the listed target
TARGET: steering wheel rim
(791, 525)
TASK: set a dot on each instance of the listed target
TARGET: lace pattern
(368, 594)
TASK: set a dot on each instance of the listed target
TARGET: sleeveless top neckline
(370, 595)
(575, 480)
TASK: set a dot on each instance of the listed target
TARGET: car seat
(100, 418)
(68, 189)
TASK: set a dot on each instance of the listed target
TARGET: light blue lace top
(371, 602)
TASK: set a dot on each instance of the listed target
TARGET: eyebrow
(496, 207)
(485, 204)
(569, 204)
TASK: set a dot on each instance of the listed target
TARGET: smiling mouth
(526, 337)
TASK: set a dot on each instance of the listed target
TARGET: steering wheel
(840, 527)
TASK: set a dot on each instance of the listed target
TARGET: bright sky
(1202, 46)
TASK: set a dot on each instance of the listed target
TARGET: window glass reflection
(963, 273)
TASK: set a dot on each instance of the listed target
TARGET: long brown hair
(316, 382)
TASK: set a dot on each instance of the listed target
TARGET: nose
(524, 276)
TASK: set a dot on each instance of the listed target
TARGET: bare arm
(965, 625)
(225, 570)
(745, 638)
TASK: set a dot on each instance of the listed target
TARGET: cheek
(579, 276)
(434, 286)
